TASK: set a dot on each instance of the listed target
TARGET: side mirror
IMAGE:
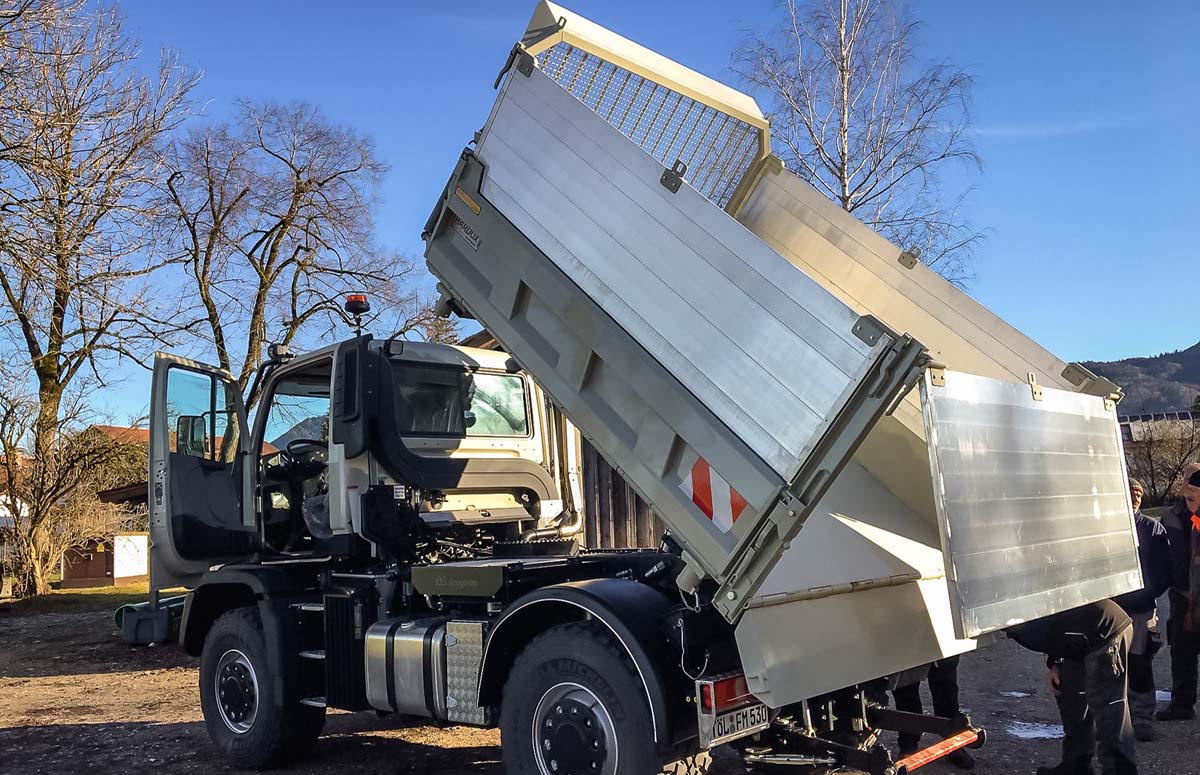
(190, 435)
(468, 419)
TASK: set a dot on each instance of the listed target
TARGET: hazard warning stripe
(713, 495)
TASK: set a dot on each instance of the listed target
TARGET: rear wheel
(237, 694)
(574, 705)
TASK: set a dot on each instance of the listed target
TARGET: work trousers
(943, 688)
(1141, 669)
(1185, 652)
(1094, 706)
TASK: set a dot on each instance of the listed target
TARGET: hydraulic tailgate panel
(1032, 499)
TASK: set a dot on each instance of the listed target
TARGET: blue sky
(1086, 117)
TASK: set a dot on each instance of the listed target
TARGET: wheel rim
(236, 689)
(573, 733)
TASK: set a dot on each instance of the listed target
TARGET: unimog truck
(861, 469)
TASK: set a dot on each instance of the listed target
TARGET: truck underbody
(455, 642)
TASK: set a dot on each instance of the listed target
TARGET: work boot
(1176, 713)
(961, 759)
(1143, 732)
(1077, 767)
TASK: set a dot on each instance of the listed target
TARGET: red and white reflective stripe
(713, 495)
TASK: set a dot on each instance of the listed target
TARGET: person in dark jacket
(1087, 651)
(1183, 626)
(1142, 607)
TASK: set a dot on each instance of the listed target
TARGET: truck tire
(249, 726)
(573, 704)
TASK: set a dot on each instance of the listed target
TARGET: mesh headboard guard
(673, 113)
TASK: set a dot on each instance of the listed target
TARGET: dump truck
(861, 469)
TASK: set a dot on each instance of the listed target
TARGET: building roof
(130, 493)
(482, 339)
(124, 435)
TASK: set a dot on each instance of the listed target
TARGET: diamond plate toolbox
(464, 657)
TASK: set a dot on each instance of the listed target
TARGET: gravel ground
(73, 698)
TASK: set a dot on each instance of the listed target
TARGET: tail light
(721, 694)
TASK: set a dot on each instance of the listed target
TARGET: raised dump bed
(753, 377)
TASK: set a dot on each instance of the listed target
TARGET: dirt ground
(74, 698)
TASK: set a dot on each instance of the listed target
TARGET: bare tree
(861, 122)
(274, 225)
(1157, 452)
(55, 508)
(79, 127)
(17, 18)
(435, 328)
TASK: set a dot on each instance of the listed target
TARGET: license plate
(742, 721)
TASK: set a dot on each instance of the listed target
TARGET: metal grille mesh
(717, 148)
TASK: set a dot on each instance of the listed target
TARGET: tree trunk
(35, 559)
(32, 566)
(39, 573)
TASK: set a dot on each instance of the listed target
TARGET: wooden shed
(122, 559)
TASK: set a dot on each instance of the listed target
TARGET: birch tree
(855, 115)
(274, 223)
(79, 129)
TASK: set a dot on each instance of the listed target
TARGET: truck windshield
(442, 401)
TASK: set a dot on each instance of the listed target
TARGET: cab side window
(293, 416)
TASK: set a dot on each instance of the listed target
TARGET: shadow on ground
(359, 744)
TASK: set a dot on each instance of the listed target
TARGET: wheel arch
(629, 610)
(204, 605)
(270, 588)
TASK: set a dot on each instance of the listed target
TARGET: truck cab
(392, 527)
(282, 482)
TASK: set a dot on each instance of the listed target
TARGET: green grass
(77, 600)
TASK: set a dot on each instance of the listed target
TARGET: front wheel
(237, 694)
(574, 705)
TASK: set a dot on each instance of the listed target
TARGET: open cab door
(201, 476)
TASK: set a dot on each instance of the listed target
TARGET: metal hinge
(672, 178)
(523, 60)
(525, 63)
(1034, 387)
(868, 329)
(937, 376)
(910, 258)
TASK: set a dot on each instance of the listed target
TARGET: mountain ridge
(1160, 383)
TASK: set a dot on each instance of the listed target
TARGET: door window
(201, 416)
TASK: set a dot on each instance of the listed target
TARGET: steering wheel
(303, 457)
(299, 444)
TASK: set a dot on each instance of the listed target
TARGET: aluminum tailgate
(1032, 498)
